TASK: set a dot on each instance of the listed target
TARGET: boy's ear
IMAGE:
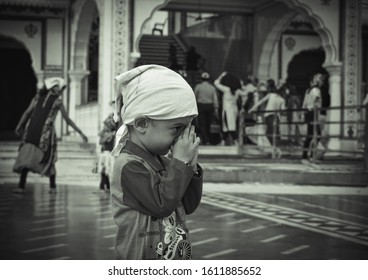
(141, 124)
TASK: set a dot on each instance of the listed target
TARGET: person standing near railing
(231, 88)
(325, 103)
(207, 102)
(275, 102)
(312, 101)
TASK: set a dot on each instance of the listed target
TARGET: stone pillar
(75, 89)
(40, 78)
(334, 130)
(105, 79)
(352, 76)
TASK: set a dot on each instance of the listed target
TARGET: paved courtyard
(234, 221)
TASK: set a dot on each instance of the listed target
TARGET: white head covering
(205, 75)
(55, 81)
(156, 92)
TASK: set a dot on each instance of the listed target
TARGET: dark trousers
(205, 115)
(191, 77)
(23, 179)
(270, 128)
(105, 181)
(309, 117)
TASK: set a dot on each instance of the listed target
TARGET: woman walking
(37, 152)
(231, 89)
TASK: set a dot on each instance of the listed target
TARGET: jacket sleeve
(151, 194)
(192, 196)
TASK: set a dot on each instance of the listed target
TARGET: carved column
(352, 30)
(75, 89)
(120, 37)
(334, 130)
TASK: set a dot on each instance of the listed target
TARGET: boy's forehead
(182, 120)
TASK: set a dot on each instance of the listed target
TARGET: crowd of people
(262, 114)
(266, 114)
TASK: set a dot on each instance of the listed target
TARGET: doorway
(303, 66)
(18, 85)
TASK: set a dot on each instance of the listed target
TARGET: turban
(51, 82)
(155, 92)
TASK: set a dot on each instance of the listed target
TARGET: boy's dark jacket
(150, 200)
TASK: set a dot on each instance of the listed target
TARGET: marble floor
(234, 221)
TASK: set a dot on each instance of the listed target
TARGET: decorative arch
(268, 47)
(81, 25)
(16, 62)
(274, 35)
(138, 38)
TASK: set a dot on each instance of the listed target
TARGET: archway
(264, 61)
(18, 84)
(303, 66)
(85, 39)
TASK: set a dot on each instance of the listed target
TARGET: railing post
(241, 129)
(314, 140)
(274, 135)
(365, 156)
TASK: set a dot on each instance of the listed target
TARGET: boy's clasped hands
(186, 147)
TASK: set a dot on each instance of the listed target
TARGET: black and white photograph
(204, 130)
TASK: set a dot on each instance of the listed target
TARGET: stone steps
(220, 164)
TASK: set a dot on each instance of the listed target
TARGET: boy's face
(162, 134)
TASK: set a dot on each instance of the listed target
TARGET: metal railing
(360, 123)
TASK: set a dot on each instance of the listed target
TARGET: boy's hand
(116, 117)
(186, 147)
(193, 163)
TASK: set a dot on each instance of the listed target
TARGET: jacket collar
(155, 162)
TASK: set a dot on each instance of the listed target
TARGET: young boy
(152, 194)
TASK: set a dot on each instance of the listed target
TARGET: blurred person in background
(293, 104)
(207, 102)
(37, 152)
(230, 86)
(275, 102)
(312, 100)
(250, 85)
(107, 142)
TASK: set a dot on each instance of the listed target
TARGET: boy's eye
(176, 129)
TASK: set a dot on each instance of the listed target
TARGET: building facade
(89, 42)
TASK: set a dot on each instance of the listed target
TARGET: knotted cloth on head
(55, 81)
(156, 92)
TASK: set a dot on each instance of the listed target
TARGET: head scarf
(55, 81)
(156, 92)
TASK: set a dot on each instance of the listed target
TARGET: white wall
(302, 42)
(15, 29)
(329, 15)
(86, 118)
(54, 42)
(142, 12)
